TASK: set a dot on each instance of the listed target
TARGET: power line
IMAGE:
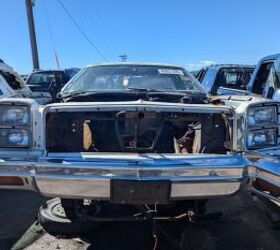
(51, 35)
(82, 32)
(79, 16)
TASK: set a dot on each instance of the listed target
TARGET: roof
(135, 63)
(219, 66)
(55, 70)
(271, 57)
(50, 70)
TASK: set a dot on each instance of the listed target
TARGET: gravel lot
(243, 226)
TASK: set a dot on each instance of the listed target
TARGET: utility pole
(123, 57)
(29, 11)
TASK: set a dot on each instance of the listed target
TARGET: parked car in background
(50, 81)
(265, 80)
(225, 79)
(138, 142)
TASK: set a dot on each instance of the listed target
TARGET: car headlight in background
(258, 116)
(262, 138)
(14, 138)
(14, 115)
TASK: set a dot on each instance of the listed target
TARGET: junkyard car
(137, 141)
(225, 79)
(11, 84)
(50, 81)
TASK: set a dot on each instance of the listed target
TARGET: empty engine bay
(138, 132)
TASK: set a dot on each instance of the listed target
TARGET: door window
(11, 80)
(266, 77)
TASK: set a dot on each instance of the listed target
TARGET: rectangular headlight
(262, 138)
(258, 116)
(14, 115)
(14, 138)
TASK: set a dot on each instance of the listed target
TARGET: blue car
(50, 81)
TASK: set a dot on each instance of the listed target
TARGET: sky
(190, 33)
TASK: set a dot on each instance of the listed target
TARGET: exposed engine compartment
(137, 131)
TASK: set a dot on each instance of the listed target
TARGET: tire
(54, 221)
(194, 238)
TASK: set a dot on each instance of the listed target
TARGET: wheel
(194, 238)
(53, 219)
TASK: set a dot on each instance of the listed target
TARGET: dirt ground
(243, 226)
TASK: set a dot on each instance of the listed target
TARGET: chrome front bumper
(88, 176)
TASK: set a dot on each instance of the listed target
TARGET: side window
(1, 86)
(277, 68)
(266, 77)
(11, 80)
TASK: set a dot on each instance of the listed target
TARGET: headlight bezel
(254, 121)
(265, 132)
(265, 125)
(15, 125)
(5, 109)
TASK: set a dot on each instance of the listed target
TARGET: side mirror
(276, 95)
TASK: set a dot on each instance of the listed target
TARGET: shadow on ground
(242, 226)
(18, 211)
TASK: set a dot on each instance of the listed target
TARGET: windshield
(125, 77)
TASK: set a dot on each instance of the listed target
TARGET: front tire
(54, 220)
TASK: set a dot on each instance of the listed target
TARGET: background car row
(262, 80)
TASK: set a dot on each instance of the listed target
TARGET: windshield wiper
(75, 93)
(144, 89)
(94, 92)
(85, 93)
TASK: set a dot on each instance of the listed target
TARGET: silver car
(142, 137)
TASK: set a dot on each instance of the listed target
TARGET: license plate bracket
(140, 192)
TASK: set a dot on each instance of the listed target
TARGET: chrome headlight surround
(15, 125)
(262, 126)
